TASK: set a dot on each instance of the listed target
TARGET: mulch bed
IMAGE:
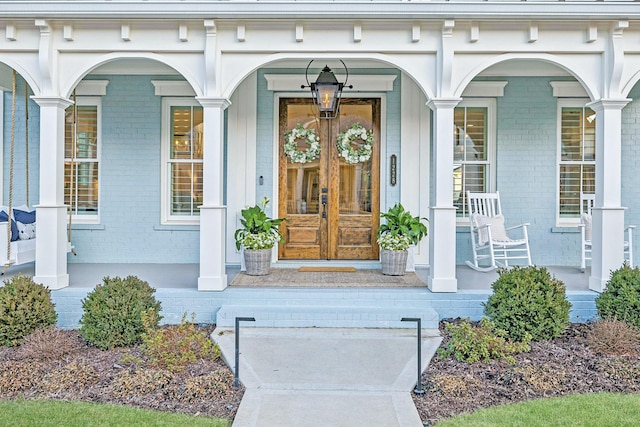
(562, 366)
(113, 376)
(558, 367)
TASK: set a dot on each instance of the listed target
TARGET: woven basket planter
(394, 263)
(257, 261)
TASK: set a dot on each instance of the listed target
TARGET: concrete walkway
(327, 376)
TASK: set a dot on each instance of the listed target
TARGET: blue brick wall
(20, 165)
(526, 156)
(130, 229)
(130, 186)
(313, 303)
(130, 183)
(631, 164)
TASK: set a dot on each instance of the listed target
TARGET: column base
(440, 284)
(597, 284)
(53, 282)
(212, 283)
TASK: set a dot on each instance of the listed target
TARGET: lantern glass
(326, 97)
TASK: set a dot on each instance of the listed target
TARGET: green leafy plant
(621, 298)
(401, 223)
(113, 312)
(258, 230)
(527, 300)
(482, 343)
(176, 346)
(24, 306)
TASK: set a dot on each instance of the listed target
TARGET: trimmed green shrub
(469, 343)
(621, 298)
(113, 312)
(527, 300)
(24, 306)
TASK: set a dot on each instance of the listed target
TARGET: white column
(51, 213)
(442, 242)
(608, 214)
(213, 212)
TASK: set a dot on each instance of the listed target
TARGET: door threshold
(357, 264)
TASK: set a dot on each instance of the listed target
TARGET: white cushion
(26, 231)
(498, 232)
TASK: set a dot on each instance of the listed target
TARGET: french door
(332, 206)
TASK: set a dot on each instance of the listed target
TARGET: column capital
(52, 101)
(436, 103)
(608, 104)
(213, 102)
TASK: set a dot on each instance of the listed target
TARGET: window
(82, 159)
(182, 160)
(473, 150)
(577, 157)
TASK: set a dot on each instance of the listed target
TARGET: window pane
(577, 164)
(81, 181)
(570, 179)
(186, 188)
(470, 153)
(86, 124)
(186, 132)
(468, 177)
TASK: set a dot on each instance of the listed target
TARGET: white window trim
(491, 105)
(165, 198)
(97, 102)
(562, 103)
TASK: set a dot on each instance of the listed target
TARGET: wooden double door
(331, 206)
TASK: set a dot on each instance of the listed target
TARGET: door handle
(324, 205)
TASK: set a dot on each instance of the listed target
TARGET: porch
(355, 305)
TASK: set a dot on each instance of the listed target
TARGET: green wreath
(291, 144)
(345, 144)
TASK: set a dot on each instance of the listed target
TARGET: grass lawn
(46, 413)
(579, 410)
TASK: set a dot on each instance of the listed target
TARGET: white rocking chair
(489, 237)
(586, 203)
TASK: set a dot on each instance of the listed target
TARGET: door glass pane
(355, 179)
(303, 179)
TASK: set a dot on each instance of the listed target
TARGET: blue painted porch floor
(355, 307)
(185, 276)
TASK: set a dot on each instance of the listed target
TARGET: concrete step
(327, 316)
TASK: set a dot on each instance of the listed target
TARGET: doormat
(326, 269)
(291, 277)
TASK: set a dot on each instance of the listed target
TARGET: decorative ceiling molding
(491, 89)
(568, 90)
(172, 88)
(92, 88)
(360, 82)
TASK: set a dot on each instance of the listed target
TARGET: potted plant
(400, 231)
(258, 235)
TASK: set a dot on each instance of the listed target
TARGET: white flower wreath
(291, 145)
(345, 147)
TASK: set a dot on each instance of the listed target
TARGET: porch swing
(18, 241)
